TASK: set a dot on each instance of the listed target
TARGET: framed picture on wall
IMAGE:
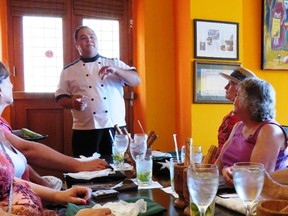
(208, 84)
(275, 35)
(216, 39)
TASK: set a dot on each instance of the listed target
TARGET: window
(43, 49)
(43, 53)
(43, 42)
(107, 32)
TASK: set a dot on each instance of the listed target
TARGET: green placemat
(152, 207)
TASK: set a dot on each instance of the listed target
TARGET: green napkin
(152, 207)
(72, 209)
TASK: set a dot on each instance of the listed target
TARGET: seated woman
(19, 197)
(230, 119)
(257, 137)
(34, 152)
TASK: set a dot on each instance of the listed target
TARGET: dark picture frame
(216, 39)
(274, 36)
(208, 84)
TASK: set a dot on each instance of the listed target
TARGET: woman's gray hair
(4, 72)
(259, 97)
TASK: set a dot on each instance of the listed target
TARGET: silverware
(117, 185)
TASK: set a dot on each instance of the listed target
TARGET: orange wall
(154, 48)
(4, 44)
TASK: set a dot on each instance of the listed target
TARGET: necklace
(247, 132)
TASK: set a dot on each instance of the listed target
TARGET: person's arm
(95, 212)
(72, 103)
(218, 162)
(36, 178)
(130, 77)
(77, 194)
(269, 142)
(227, 171)
(43, 156)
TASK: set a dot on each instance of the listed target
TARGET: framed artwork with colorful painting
(275, 35)
(216, 39)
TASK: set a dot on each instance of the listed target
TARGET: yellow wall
(174, 67)
(207, 118)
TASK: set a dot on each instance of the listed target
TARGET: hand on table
(96, 212)
(228, 176)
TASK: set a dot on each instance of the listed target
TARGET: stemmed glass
(203, 181)
(121, 142)
(138, 146)
(248, 180)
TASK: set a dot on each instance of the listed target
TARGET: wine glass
(121, 143)
(138, 146)
(248, 180)
(203, 181)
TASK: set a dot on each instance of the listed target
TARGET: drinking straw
(176, 147)
(141, 127)
(192, 161)
(111, 136)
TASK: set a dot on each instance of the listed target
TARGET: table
(166, 200)
(162, 198)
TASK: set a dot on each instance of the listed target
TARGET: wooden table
(162, 198)
(166, 200)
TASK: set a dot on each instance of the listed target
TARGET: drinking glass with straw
(117, 157)
(176, 147)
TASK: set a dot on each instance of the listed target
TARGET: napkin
(170, 191)
(154, 184)
(232, 201)
(122, 208)
(126, 166)
(93, 157)
(152, 207)
(53, 182)
(160, 154)
(88, 175)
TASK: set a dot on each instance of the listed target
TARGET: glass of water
(138, 146)
(248, 180)
(203, 181)
(121, 142)
(173, 161)
(144, 170)
(195, 154)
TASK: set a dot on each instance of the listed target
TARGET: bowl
(272, 208)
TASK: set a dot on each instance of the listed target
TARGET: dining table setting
(158, 195)
(151, 182)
